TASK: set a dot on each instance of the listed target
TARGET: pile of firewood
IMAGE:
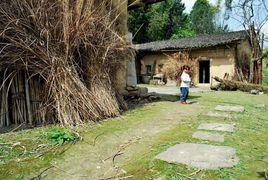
(230, 85)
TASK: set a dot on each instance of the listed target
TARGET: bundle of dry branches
(173, 68)
(73, 46)
(231, 85)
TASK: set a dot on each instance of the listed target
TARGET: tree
(202, 17)
(166, 18)
(252, 15)
(138, 24)
(159, 21)
(184, 31)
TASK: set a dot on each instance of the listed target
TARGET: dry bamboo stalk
(2, 105)
(5, 104)
(13, 91)
(28, 103)
(79, 42)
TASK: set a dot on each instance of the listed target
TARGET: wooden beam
(134, 4)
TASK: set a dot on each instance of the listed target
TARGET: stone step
(218, 115)
(208, 136)
(200, 156)
(216, 127)
(230, 108)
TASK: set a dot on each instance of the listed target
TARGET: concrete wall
(222, 60)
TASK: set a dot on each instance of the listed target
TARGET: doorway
(204, 72)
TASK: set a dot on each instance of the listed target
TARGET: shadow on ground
(174, 98)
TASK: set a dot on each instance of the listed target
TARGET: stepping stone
(217, 127)
(218, 115)
(230, 108)
(200, 156)
(208, 136)
(265, 159)
(259, 106)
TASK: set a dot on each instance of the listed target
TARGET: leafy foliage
(160, 21)
(167, 20)
(184, 31)
(202, 17)
(61, 136)
(138, 24)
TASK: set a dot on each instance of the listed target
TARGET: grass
(249, 139)
(265, 78)
(27, 151)
(17, 165)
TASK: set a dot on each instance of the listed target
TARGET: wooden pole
(28, 103)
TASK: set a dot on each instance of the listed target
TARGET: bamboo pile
(18, 110)
(73, 47)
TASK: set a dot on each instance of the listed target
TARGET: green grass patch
(28, 151)
(265, 78)
(249, 139)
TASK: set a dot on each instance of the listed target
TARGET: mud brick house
(225, 55)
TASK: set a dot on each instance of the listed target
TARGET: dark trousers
(184, 94)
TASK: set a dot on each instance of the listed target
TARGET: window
(148, 69)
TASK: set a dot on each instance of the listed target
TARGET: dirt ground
(173, 90)
(127, 146)
(112, 150)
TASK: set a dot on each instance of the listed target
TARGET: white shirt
(185, 80)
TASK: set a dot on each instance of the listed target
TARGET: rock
(132, 88)
(265, 159)
(260, 106)
(200, 156)
(208, 136)
(131, 78)
(217, 127)
(216, 86)
(143, 90)
(255, 91)
(218, 115)
(171, 83)
(230, 108)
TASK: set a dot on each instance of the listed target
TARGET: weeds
(61, 136)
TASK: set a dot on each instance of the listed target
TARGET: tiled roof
(194, 42)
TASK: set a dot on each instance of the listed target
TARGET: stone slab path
(218, 115)
(260, 106)
(206, 156)
(230, 108)
(200, 156)
(208, 136)
(216, 127)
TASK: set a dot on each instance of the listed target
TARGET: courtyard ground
(127, 146)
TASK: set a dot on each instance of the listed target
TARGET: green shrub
(61, 136)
